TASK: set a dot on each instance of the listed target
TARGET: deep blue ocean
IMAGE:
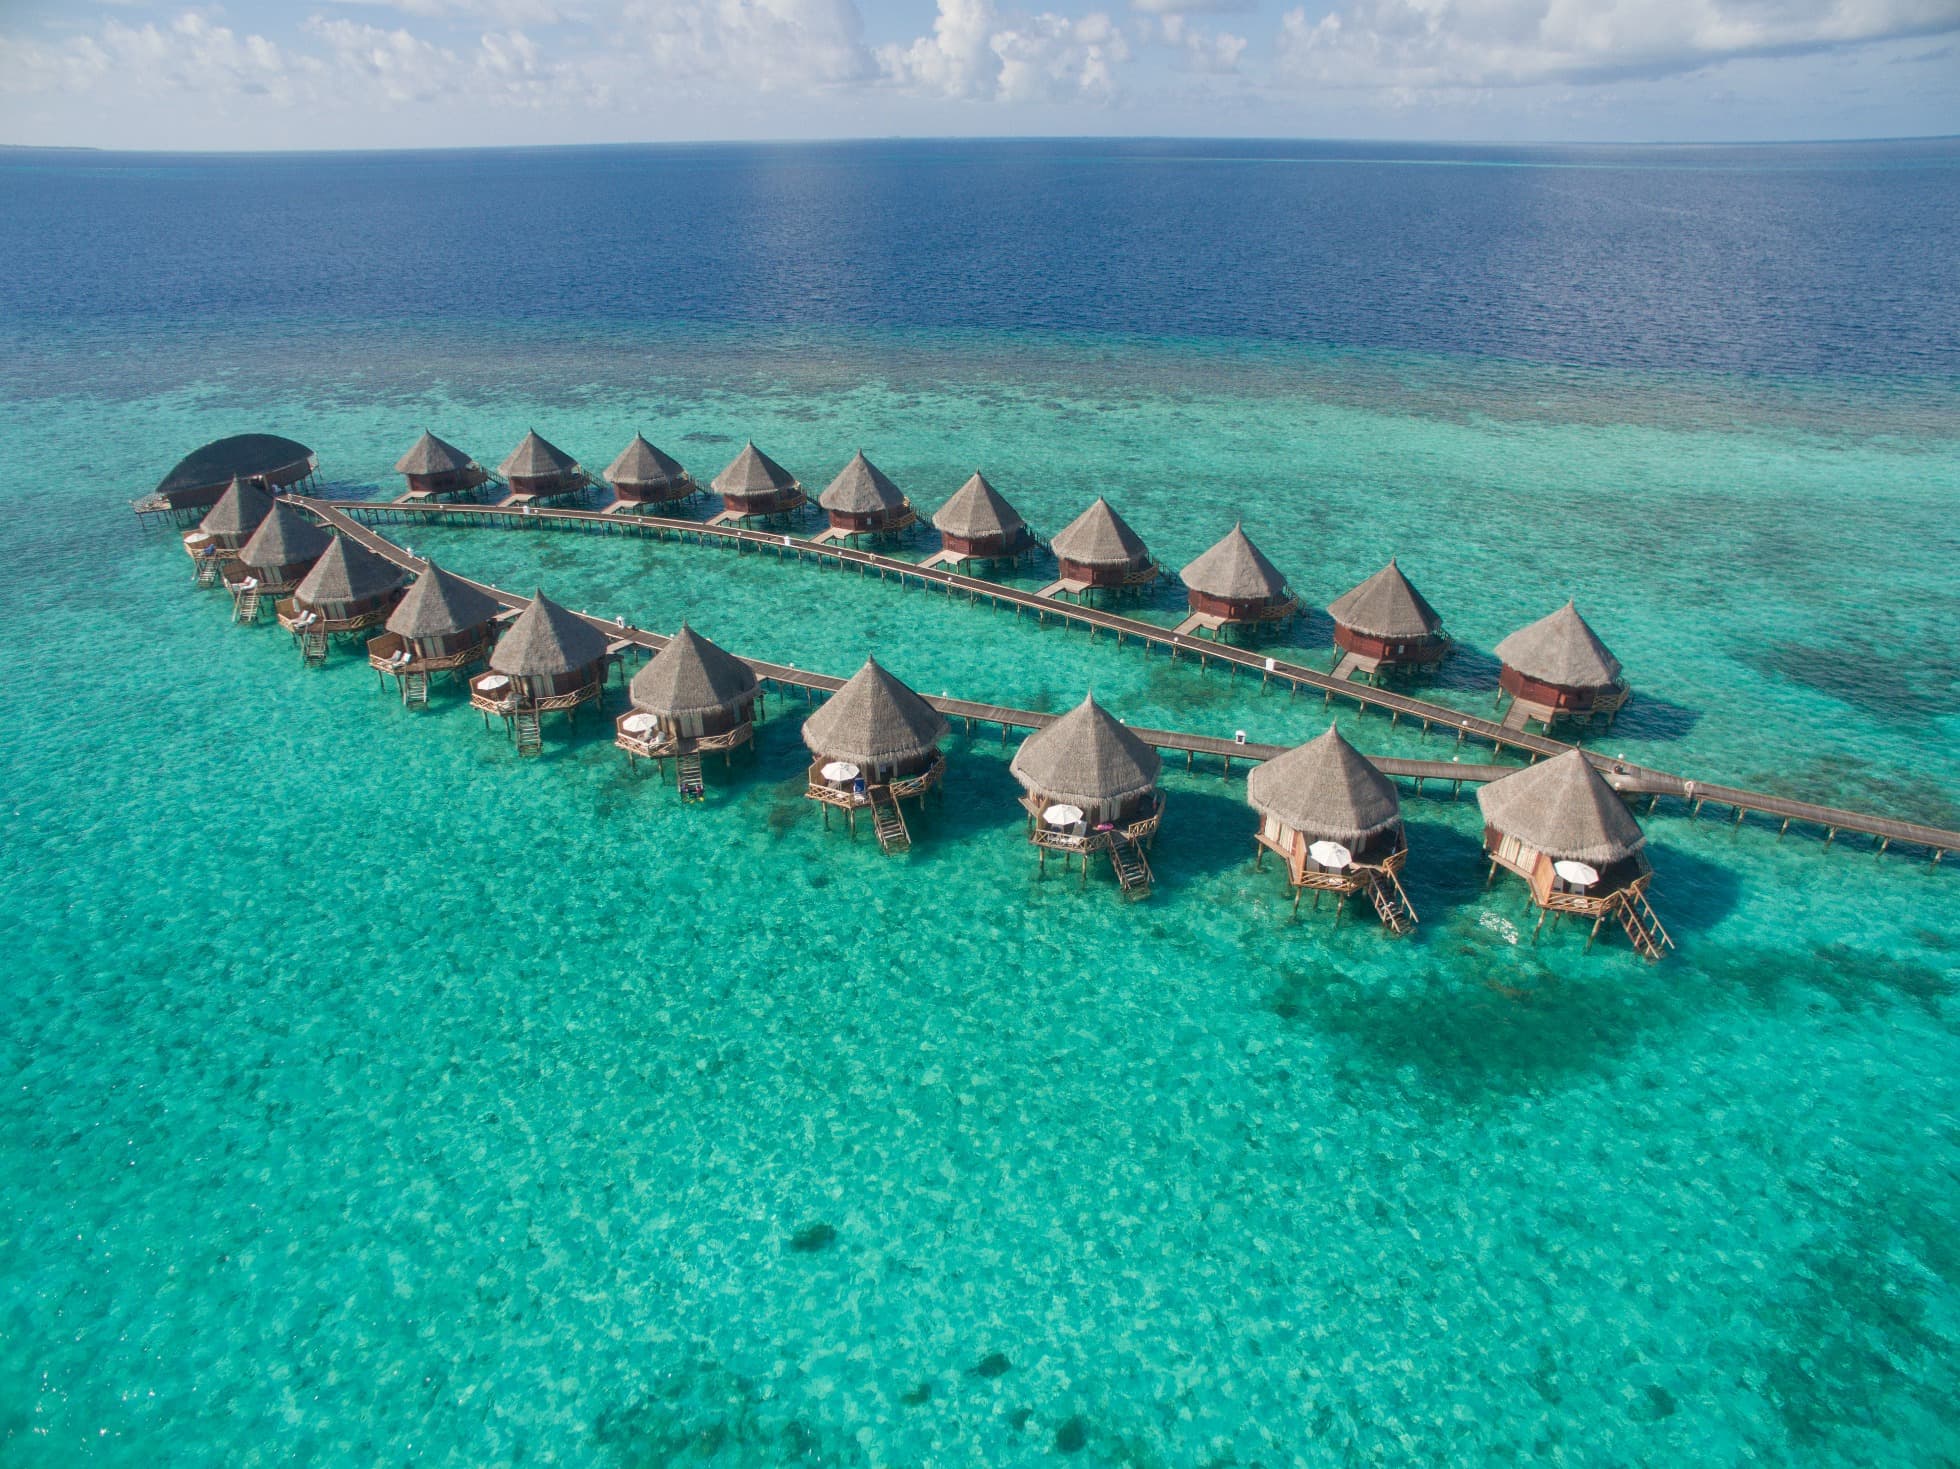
(369, 1094)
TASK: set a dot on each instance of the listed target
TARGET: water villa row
(1090, 783)
(1556, 669)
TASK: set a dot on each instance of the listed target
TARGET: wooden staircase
(415, 689)
(530, 736)
(207, 571)
(245, 607)
(1132, 871)
(687, 777)
(1643, 925)
(888, 821)
(313, 646)
(1397, 913)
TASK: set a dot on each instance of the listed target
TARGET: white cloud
(191, 52)
(1216, 54)
(1444, 44)
(1189, 7)
(492, 12)
(975, 54)
(748, 45)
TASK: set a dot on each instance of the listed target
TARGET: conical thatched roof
(977, 511)
(536, 458)
(247, 455)
(1387, 605)
(1086, 756)
(1099, 537)
(284, 538)
(431, 455)
(239, 511)
(639, 463)
(347, 571)
(1561, 649)
(1237, 569)
(874, 719)
(1325, 788)
(1564, 808)
(862, 489)
(691, 676)
(544, 640)
(753, 472)
(441, 604)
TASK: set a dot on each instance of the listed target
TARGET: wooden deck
(356, 517)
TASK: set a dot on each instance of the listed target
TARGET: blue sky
(407, 73)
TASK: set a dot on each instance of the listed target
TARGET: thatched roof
(873, 719)
(1237, 569)
(545, 639)
(441, 604)
(862, 489)
(692, 676)
(1327, 789)
(284, 538)
(1561, 649)
(1099, 537)
(239, 510)
(431, 455)
(977, 511)
(639, 463)
(1086, 756)
(537, 458)
(1564, 808)
(347, 571)
(242, 456)
(753, 472)
(1387, 605)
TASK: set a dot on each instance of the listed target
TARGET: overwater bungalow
(643, 475)
(538, 471)
(1234, 585)
(203, 475)
(1098, 549)
(435, 468)
(1570, 836)
(755, 484)
(692, 699)
(348, 590)
(271, 563)
(1385, 625)
(226, 527)
(1557, 668)
(873, 743)
(548, 659)
(1336, 822)
(1091, 786)
(862, 500)
(977, 524)
(443, 625)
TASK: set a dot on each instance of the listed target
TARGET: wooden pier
(355, 517)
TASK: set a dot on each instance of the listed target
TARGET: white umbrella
(1062, 815)
(839, 770)
(1330, 854)
(1576, 873)
(634, 724)
(494, 682)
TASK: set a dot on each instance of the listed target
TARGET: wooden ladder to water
(888, 821)
(415, 689)
(1132, 871)
(313, 646)
(1398, 914)
(687, 776)
(530, 736)
(245, 607)
(207, 571)
(1643, 925)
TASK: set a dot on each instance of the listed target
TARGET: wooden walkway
(356, 516)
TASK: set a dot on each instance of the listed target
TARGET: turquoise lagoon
(376, 1095)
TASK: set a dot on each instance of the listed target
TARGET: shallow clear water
(375, 1094)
